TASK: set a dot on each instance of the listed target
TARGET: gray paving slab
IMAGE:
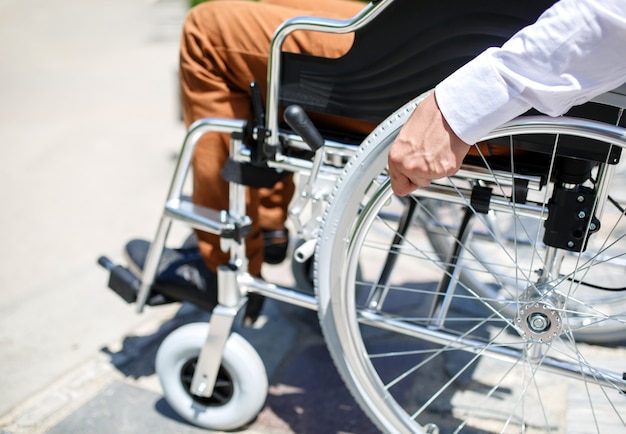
(122, 407)
(118, 391)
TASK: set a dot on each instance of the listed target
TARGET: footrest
(125, 284)
(121, 280)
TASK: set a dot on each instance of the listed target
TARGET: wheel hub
(539, 322)
(222, 393)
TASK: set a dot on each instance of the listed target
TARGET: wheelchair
(491, 301)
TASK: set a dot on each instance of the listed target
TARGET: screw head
(538, 322)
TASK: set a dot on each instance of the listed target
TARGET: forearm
(575, 51)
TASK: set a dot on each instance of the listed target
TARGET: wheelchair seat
(406, 50)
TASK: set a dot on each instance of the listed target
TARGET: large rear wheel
(457, 325)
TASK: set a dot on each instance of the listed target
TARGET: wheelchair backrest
(406, 50)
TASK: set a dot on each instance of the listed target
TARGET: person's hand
(426, 149)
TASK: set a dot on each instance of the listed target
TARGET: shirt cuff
(476, 99)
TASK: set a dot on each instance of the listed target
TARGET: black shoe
(182, 274)
(255, 303)
(275, 244)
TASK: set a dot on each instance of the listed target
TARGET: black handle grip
(106, 263)
(257, 104)
(299, 121)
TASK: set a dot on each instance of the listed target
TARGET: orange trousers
(225, 46)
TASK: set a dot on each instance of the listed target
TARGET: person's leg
(225, 45)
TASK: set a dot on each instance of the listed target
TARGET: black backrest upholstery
(407, 50)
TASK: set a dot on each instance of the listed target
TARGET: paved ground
(88, 133)
(116, 390)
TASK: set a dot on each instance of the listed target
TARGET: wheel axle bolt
(538, 322)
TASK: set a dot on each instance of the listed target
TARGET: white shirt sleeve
(575, 51)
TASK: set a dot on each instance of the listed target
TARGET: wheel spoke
(483, 328)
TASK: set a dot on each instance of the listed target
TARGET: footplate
(121, 280)
(127, 285)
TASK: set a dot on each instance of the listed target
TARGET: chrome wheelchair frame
(317, 188)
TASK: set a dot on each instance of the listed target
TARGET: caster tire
(241, 386)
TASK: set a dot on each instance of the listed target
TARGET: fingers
(425, 149)
(401, 185)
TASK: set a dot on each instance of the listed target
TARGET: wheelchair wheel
(455, 324)
(241, 386)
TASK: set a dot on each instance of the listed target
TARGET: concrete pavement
(88, 133)
(117, 391)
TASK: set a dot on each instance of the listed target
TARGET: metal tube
(196, 130)
(509, 354)
(316, 24)
(287, 295)
(563, 125)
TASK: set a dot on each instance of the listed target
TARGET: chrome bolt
(581, 214)
(538, 322)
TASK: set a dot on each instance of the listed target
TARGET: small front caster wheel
(241, 386)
